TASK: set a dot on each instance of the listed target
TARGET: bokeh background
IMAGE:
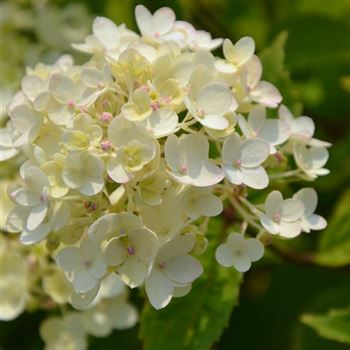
(305, 49)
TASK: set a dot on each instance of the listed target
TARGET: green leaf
(274, 71)
(335, 240)
(334, 325)
(195, 321)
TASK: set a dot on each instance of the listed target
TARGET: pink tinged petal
(241, 263)
(269, 225)
(290, 229)
(35, 236)
(254, 152)
(224, 255)
(69, 259)
(273, 203)
(133, 271)
(183, 269)
(292, 209)
(254, 249)
(83, 281)
(266, 94)
(178, 246)
(255, 177)
(159, 289)
(36, 216)
(234, 175)
(115, 253)
(144, 243)
(316, 222)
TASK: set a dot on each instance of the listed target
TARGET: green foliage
(334, 325)
(275, 72)
(196, 321)
(335, 240)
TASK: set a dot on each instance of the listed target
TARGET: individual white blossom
(273, 131)
(282, 216)
(301, 128)
(311, 159)
(84, 265)
(211, 104)
(173, 267)
(187, 157)
(310, 220)
(242, 161)
(83, 171)
(239, 252)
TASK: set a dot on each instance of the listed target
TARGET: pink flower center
(277, 217)
(131, 250)
(155, 105)
(106, 117)
(183, 168)
(70, 103)
(105, 145)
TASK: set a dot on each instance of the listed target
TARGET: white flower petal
(273, 203)
(254, 152)
(254, 249)
(183, 269)
(83, 281)
(255, 177)
(292, 209)
(159, 289)
(115, 252)
(144, 242)
(308, 196)
(133, 271)
(69, 259)
(266, 94)
(224, 255)
(290, 229)
(316, 222)
(215, 99)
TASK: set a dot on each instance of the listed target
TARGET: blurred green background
(305, 48)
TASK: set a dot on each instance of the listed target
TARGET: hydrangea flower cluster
(129, 155)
